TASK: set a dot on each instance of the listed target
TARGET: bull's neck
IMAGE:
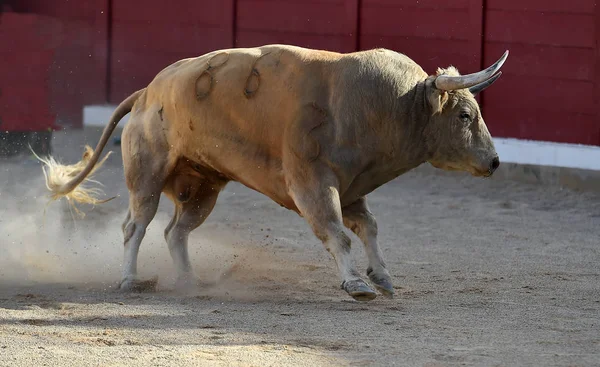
(397, 146)
(410, 117)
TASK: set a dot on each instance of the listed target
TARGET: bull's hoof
(383, 283)
(359, 290)
(139, 286)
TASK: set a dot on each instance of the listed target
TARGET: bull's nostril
(495, 164)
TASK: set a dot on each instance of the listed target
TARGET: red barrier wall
(549, 90)
(145, 39)
(77, 73)
(322, 24)
(433, 33)
(25, 86)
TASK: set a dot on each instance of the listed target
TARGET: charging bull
(315, 131)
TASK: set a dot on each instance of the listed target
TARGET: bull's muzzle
(494, 164)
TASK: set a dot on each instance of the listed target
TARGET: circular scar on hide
(206, 81)
(204, 84)
(252, 83)
(218, 60)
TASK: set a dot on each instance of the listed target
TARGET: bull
(313, 130)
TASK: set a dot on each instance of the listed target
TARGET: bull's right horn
(476, 89)
(447, 82)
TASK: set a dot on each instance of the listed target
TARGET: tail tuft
(58, 176)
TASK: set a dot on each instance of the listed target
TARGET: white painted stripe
(510, 150)
(98, 115)
(548, 153)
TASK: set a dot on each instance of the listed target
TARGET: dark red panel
(323, 24)
(62, 9)
(433, 33)
(30, 120)
(542, 109)
(571, 30)
(542, 94)
(549, 90)
(319, 17)
(77, 78)
(545, 61)
(476, 11)
(25, 67)
(320, 42)
(25, 95)
(421, 4)
(447, 24)
(136, 69)
(542, 125)
(597, 81)
(190, 39)
(211, 12)
(30, 32)
(146, 39)
(430, 54)
(555, 6)
(77, 75)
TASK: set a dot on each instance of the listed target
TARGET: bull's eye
(465, 117)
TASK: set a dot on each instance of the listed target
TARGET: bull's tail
(66, 180)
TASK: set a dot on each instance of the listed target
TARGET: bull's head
(457, 137)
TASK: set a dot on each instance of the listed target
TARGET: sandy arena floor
(488, 273)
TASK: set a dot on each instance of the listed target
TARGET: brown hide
(252, 113)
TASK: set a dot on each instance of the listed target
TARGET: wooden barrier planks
(146, 39)
(549, 83)
(321, 24)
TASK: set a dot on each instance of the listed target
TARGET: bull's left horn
(447, 82)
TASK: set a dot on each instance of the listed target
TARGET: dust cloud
(47, 242)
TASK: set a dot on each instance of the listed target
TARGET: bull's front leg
(361, 221)
(319, 204)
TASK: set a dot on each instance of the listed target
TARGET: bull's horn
(482, 86)
(447, 82)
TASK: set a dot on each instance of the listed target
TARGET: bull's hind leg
(145, 161)
(318, 201)
(359, 219)
(194, 199)
(142, 208)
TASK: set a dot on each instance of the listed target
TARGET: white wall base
(98, 115)
(510, 150)
(548, 153)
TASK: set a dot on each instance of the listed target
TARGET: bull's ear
(437, 100)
